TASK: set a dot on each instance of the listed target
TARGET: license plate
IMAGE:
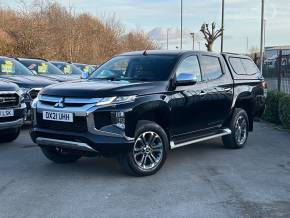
(57, 116)
(7, 113)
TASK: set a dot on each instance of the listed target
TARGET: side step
(223, 132)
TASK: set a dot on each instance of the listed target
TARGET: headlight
(24, 90)
(116, 100)
(20, 93)
(34, 102)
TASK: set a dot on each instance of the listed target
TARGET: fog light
(118, 119)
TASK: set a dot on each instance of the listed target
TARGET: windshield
(140, 68)
(67, 68)
(41, 67)
(11, 67)
(85, 68)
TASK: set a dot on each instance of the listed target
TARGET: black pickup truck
(12, 111)
(139, 105)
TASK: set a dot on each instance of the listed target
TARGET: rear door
(219, 89)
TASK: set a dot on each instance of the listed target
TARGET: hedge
(272, 106)
(284, 111)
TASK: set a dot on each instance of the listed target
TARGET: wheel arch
(246, 101)
(157, 112)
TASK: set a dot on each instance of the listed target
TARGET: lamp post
(262, 37)
(167, 40)
(223, 19)
(181, 23)
(192, 34)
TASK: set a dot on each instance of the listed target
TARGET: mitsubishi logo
(60, 103)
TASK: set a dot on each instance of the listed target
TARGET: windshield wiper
(105, 78)
(136, 79)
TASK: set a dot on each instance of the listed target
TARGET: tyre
(149, 151)
(10, 135)
(58, 155)
(239, 125)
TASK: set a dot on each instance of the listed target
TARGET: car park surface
(200, 180)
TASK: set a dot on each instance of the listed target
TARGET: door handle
(227, 89)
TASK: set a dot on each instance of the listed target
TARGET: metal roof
(285, 47)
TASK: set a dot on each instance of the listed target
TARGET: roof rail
(231, 53)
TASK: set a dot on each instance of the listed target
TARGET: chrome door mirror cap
(184, 79)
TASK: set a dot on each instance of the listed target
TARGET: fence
(277, 72)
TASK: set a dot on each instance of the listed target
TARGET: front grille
(79, 124)
(33, 93)
(67, 101)
(51, 103)
(9, 100)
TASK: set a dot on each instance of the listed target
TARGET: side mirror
(85, 75)
(186, 79)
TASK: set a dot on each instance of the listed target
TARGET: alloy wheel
(241, 130)
(148, 150)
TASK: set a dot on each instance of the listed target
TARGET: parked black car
(46, 69)
(68, 69)
(139, 105)
(12, 111)
(13, 71)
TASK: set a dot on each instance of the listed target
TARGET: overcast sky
(242, 19)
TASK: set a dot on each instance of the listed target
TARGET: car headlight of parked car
(20, 94)
(25, 93)
(25, 90)
(34, 102)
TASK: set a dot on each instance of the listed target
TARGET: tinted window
(67, 68)
(85, 68)
(190, 65)
(139, 67)
(41, 67)
(243, 66)
(211, 67)
(9, 66)
(237, 65)
(250, 67)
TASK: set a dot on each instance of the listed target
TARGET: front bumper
(100, 141)
(85, 133)
(11, 124)
(16, 121)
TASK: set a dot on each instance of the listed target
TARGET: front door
(187, 102)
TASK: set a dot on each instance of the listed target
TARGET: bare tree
(48, 30)
(210, 35)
